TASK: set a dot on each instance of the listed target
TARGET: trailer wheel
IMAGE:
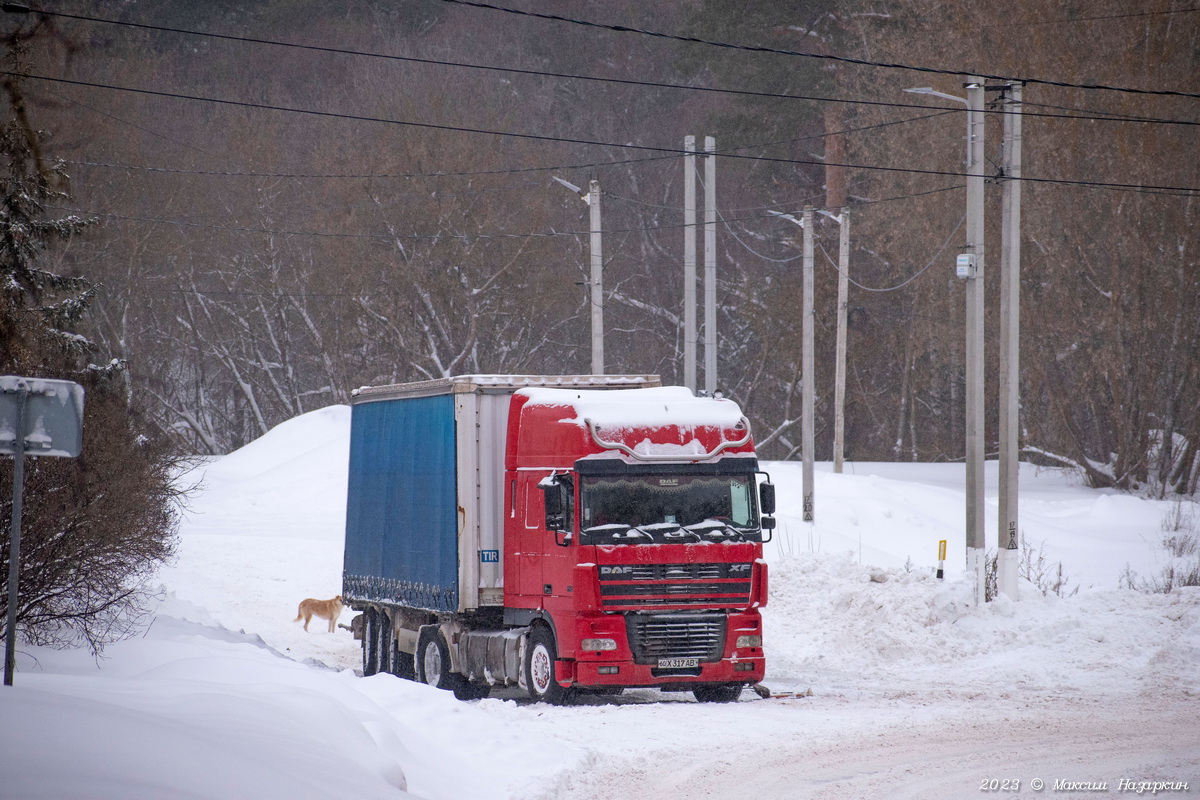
(540, 657)
(719, 693)
(384, 642)
(370, 642)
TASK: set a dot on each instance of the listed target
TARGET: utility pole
(710, 265)
(689, 263)
(974, 338)
(1007, 559)
(593, 200)
(839, 377)
(807, 369)
(21, 393)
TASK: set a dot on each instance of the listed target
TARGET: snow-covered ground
(914, 692)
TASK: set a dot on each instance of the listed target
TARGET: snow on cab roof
(628, 408)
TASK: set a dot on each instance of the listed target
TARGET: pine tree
(94, 528)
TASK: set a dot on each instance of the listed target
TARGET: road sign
(48, 412)
(38, 417)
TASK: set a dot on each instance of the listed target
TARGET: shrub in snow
(1034, 569)
(1179, 549)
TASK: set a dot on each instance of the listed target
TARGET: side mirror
(768, 528)
(766, 498)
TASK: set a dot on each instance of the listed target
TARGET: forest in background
(277, 225)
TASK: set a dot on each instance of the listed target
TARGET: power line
(593, 78)
(1036, 22)
(133, 125)
(483, 67)
(910, 278)
(481, 236)
(478, 173)
(535, 137)
(441, 236)
(1149, 188)
(820, 56)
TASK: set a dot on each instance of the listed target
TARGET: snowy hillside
(914, 692)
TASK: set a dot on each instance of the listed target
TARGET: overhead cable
(822, 56)
(1149, 188)
(595, 78)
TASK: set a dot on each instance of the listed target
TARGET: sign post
(38, 417)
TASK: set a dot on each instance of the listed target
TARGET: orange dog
(325, 609)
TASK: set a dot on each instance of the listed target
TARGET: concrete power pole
(839, 377)
(593, 200)
(1008, 556)
(710, 265)
(974, 336)
(807, 369)
(689, 263)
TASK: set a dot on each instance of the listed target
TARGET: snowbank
(226, 697)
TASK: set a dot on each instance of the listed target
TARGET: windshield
(641, 509)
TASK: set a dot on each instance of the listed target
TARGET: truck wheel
(539, 669)
(719, 693)
(384, 642)
(433, 660)
(370, 642)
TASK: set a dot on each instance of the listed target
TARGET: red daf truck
(563, 534)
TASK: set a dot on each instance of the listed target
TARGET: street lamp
(592, 198)
(971, 269)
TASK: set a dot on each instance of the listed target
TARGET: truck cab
(636, 531)
(561, 534)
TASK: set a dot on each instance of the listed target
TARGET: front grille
(667, 572)
(719, 585)
(655, 636)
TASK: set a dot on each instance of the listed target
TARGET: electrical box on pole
(964, 266)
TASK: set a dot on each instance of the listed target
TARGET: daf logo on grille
(615, 570)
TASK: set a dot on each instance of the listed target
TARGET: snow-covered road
(930, 744)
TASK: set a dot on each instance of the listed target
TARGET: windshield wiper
(618, 531)
(715, 530)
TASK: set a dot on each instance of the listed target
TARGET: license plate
(678, 663)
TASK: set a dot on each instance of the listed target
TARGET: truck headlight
(749, 641)
(598, 644)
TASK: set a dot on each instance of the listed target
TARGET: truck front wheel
(540, 657)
